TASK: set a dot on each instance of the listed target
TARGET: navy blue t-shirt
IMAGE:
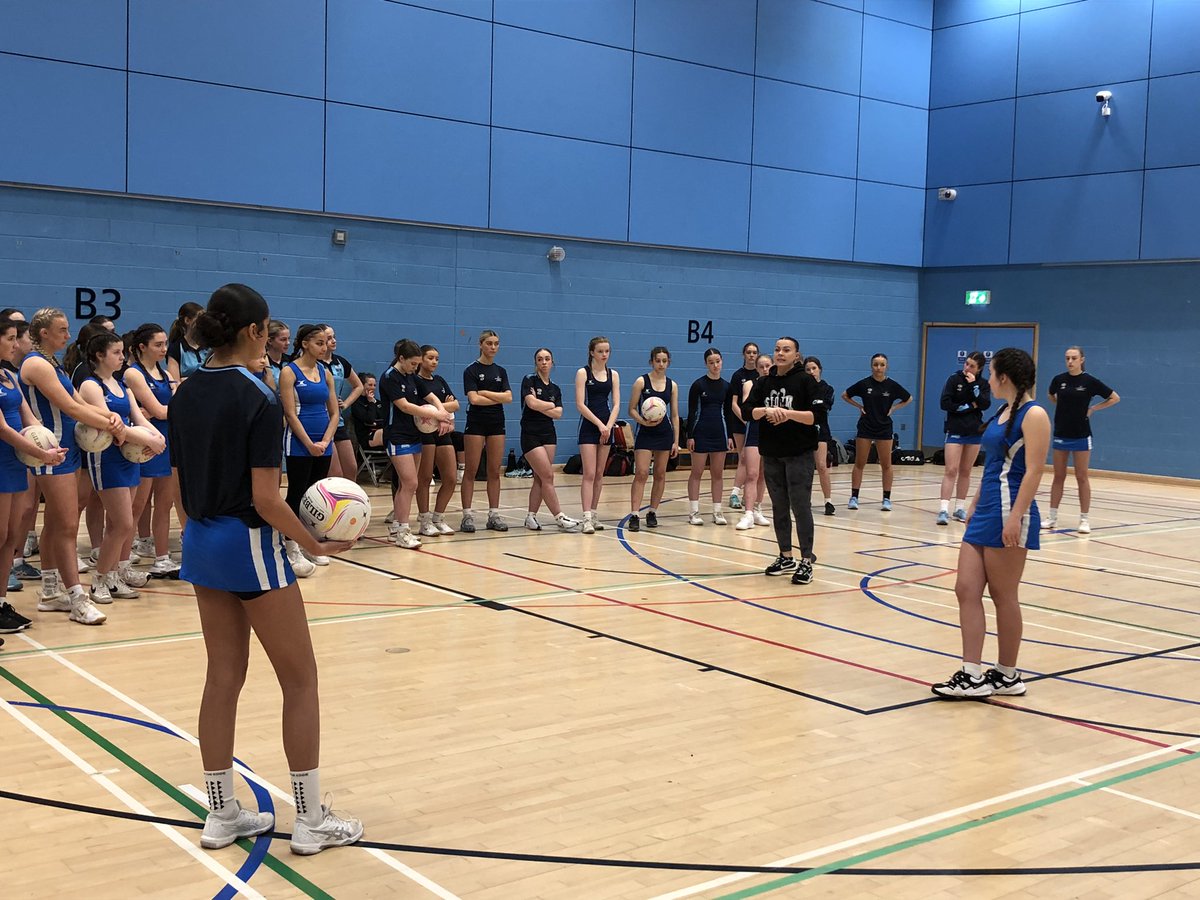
(535, 422)
(490, 377)
(399, 426)
(1073, 395)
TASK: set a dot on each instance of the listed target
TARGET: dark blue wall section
(894, 64)
(717, 33)
(784, 135)
(888, 223)
(1062, 134)
(815, 44)
(1171, 215)
(600, 21)
(697, 110)
(1176, 37)
(211, 143)
(1128, 320)
(685, 201)
(971, 144)
(72, 124)
(974, 62)
(559, 186)
(1081, 44)
(82, 31)
(553, 85)
(892, 143)
(1173, 139)
(391, 165)
(246, 43)
(1088, 217)
(913, 12)
(960, 12)
(971, 231)
(796, 214)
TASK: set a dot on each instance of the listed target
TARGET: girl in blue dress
(1002, 527)
(708, 440)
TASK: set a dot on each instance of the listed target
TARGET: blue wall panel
(713, 32)
(810, 43)
(83, 31)
(1172, 138)
(971, 144)
(960, 12)
(691, 109)
(262, 43)
(602, 21)
(892, 143)
(888, 224)
(787, 133)
(64, 124)
(1176, 37)
(895, 62)
(559, 186)
(971, 230)
(555, 85)
(913, 12)
(219, 143)
(795, 214)
(682, 201)
(1064, 133)
(1081, 44)
(1088, 218)
(410, 60)
(390, 165)
(974, 62)
(477, 9)
(1171, 215)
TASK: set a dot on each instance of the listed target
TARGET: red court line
(1190, 559)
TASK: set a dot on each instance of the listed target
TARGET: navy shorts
(483, 428)
(433, 439)
(866, 433)
(226, 554)
(964, 439)
(532, 439)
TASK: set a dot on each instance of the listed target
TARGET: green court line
(1032, 805)
(280, 868)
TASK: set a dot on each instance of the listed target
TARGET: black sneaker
(633, 524)
(962, 686)
(651, 519)
(782, 566)
(1003, 685)
(803, 573)
(829, 510)
(11, 621)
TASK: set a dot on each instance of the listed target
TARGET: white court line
(132, 804)
(1147, 801)
(286, 797)
(926, 821)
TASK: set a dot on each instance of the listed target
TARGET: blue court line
(262, 843)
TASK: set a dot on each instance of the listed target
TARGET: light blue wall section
(1132, 336)
(414, 109)
(442, 286)
(1024, 113)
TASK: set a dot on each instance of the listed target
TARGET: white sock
(975, 670)
(737, 491)
(960, 505)
(716, 509)
(1083, 517)
(468, 513)
(829, 498)
(1007, 671)
(18, 561)
(945, 506)
(220, 793)
(492, 511)
(694, 506)
(75, 592)
(163, 558)
(49, 578)
(438, 518)
(306, 791)
(1053, 514)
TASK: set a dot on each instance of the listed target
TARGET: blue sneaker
(853, 504)
(735, 500)
(887, 505)
(14, 583)
(960, 515)
(943, 518)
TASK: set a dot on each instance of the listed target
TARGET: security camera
(556, 254)
(947, 193)
(1103, 96)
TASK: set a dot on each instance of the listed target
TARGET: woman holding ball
(657, 440)
(224, 436)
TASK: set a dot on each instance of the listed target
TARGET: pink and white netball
(92, 440)
(654, 410)
(336, 509)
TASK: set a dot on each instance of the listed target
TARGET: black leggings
(303, 472)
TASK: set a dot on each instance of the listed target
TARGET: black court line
(460, 852)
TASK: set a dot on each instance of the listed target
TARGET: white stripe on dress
(256, 558)
(279, 555)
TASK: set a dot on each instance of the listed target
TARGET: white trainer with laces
(164, 567)
(567, 524)
(334, 830)
(135, 578)
(1084, 527)
(221, 832)
(694, 519)
(428, 529)
(316, 559)
(100, 592)
(118, 588)
(719, 518)
(301, 565)
(83, 612)
(746, 522)
(406, 540)
(759, 518)
(439, 522)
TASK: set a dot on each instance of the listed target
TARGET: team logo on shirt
(778, 398)
(482, 376)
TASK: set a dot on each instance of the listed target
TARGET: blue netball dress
(14, 476)
(55, 419)
(706, 418)
(314, 414)
(662, 435)
(110, 468)
(597, 397)
(159, 466)
(1002, 474)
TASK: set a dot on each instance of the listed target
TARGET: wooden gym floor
(541, 715)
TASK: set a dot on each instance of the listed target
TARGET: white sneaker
(439, 522)
(316, 559)
(1084, 527)
(219, 832)
(596, 523)
(406, 540)
(588, 526)
(143, 548)
(759, 518)
(118, 588)
(390, 518)
(428, 529)
(301, 566)
(532, 523)
(1049, 524)
(719, 518)
(746, 522)
(135, 578)
(93, 557)
(83, 563)
(334, 831)
(54, 603)
(31, 546)
(694, 519)
(100, 592)
(83, 612)
(164, 568)
(566, 523)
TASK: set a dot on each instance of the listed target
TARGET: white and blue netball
(336, 509)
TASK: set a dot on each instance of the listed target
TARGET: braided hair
(1018, 367)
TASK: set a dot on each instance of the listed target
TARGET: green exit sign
(979, 298)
